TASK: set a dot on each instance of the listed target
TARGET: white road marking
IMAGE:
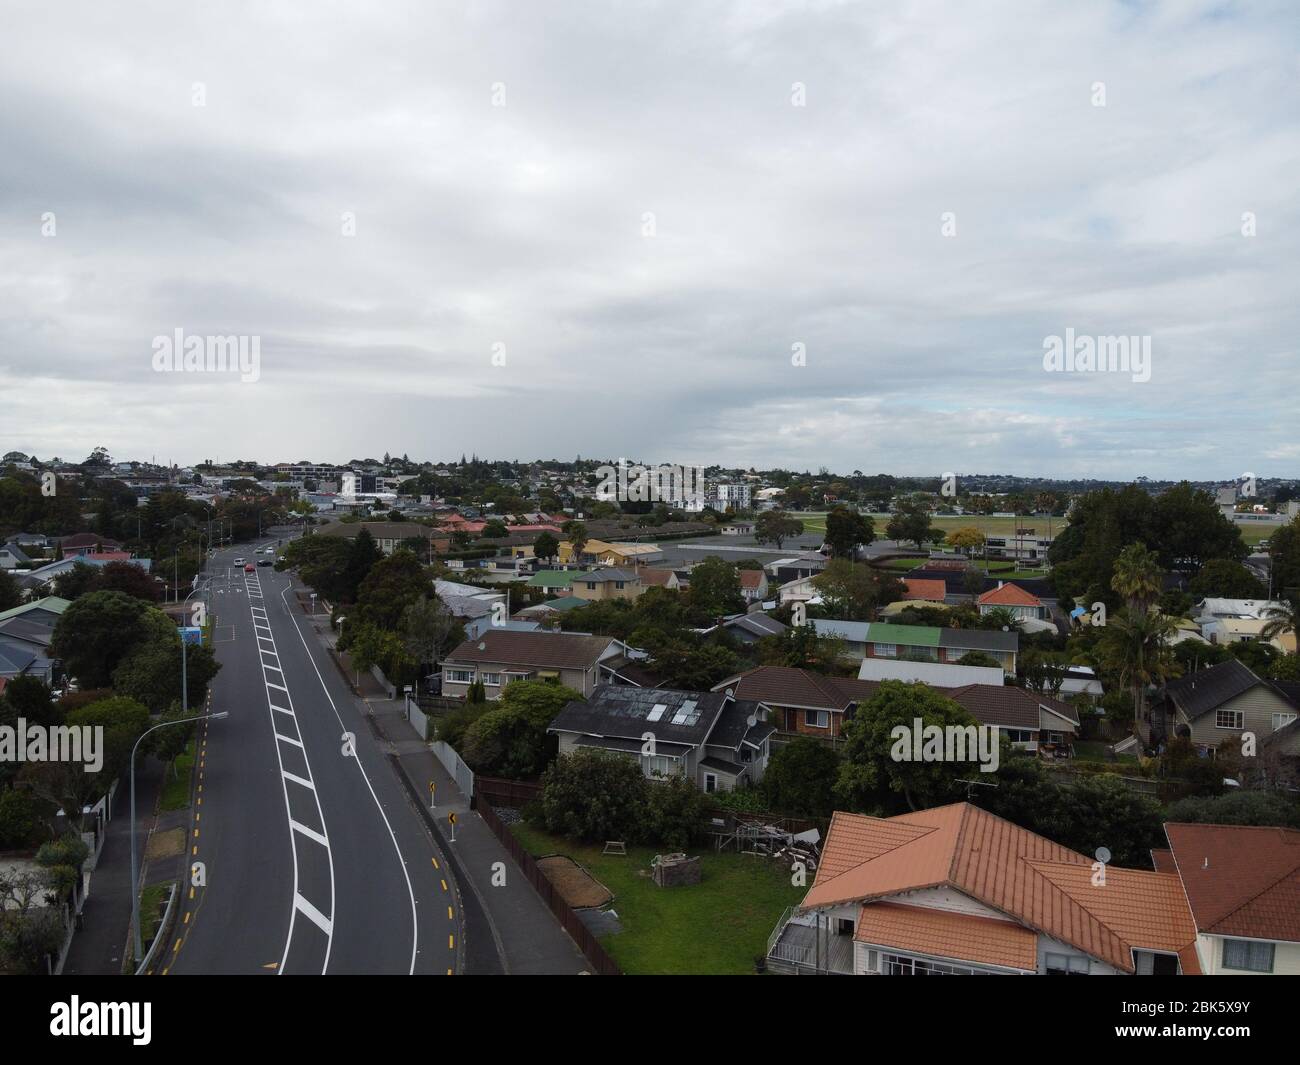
(317, 918)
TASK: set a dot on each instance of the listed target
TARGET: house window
(1248, 956)
(1018, 735)
(460, 676)
(619, 584)
(817, 718)
(662, 766)
(1282, 720)
(492, 679)
(1233, 719)
(710, 782)
(886, 650)
(1066, 965)
(901, 965)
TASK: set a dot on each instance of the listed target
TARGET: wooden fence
(601, 963)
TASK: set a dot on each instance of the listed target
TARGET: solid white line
(415, 925)
(317, 918)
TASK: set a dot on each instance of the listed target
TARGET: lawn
(152, 900)
(715, 927)
(1095, 751)
(176, 781)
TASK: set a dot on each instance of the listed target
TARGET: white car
(239, 562)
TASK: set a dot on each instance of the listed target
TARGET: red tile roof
(786, 686)
(944, 934)
(1042, 885)
(547, 650)
(1240, 880)
(1008, 595)
(920, 588)
(751, 578)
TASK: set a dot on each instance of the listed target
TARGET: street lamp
(135, 865)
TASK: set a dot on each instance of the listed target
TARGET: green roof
(51, 603)
(909, 635)
(568, 602)
(554, 578)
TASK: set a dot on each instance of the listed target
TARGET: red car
(249, 568)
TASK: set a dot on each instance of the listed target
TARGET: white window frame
(885, 650)
(817, 720)
(459, 676)
(1251, 947)
(489, 682)
(1238, 715)
(1281, 720)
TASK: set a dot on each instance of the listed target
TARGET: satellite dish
(731, 694)
(482, 646)
(752, 720)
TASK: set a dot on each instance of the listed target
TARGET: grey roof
(758, 624)
(615, 743)
(14, 658)
(733, 769)
(852, 631)
(602, 576)
(17, 552)
(621, 711)
(1200, 692)
(733, 727)
(464, 606)
(27, 630)
(979, 639)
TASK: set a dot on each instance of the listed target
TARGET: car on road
(263, 561)
(249, 568)
(239, 562)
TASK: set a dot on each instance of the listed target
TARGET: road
(314, 859)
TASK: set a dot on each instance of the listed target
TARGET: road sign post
(451, 820)
(433, 789)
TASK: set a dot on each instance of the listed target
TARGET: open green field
(718, 926)
(815, 521)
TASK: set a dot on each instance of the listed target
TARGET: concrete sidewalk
(527, 937)
(100, 943)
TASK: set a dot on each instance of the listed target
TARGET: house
(14, 557)
(799, 590)
(752, 627)
(607, 584)
(1014, 599)
(737, 528)
(935, 674)
(658, 578)
(1028, 720)
(549, 609)
(556, 581)
(920, 643)
(1211, 608)
(956, 891)
(498, 657)
(803, 703)
(921, 589)
(86, 543)
(753, 585)
(1219, 703)
(1245, 630)
(1242, 886)
(606, 553)
(25, 635)
(712, 738)
(389, 535)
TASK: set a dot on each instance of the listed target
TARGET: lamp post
(135, 864)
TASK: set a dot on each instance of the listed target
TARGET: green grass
(1095, 751)
(717, 927)
(176, 785)
(151, 906)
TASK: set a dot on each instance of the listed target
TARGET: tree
(495, 529)
(847, 530)
(675, 812)
(715, 590)
(800, 647)
(361, 556)
(1282, 619)
(775, 527)
(911, 521)
(151, 674)
(546, 546)
(10, 595)
(692, 668)
(1137, 577)
(968, 539)
(855, 591)
(979, 658)
(97, 631)
(1136, 648)
(426, 628)
(1262, 808)
(576, 531)
(73, 583)
(168, 744)
(593, 795)
(510, 740)
(800, 778)
(1284, 555)
(1226, 579)
(870, 777)
(129, 578)
(389, 587)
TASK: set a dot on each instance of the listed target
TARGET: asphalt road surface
(314, 860)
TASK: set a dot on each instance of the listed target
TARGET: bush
(1238, 808)
(592, 795)
(17, 819)
(675, 811)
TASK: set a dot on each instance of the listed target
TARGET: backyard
(718, 926)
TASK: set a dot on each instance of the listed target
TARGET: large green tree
(99, 630)
(847, 530)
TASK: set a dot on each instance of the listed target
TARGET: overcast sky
(648, 207)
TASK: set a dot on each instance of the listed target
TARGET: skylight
(657, 711)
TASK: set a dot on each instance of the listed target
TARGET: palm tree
(1282, 619)
(1135, 646)
(1137, 577)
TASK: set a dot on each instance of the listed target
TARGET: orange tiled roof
(751, 578)
(1008, 595)
(1008, 868)
(944, 934)
(655, 577)
(920, 588)
(1240, 880)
